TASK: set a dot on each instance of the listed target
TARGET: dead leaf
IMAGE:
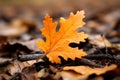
(31, 44)
(17, 67)
(17, 28)
(57, 43)
(117, 46)
(86, 70)
(70, 75)
(100, 41)
(42, 73)
(9, 49)
(14, 29)
(4, 77)
(29, 73)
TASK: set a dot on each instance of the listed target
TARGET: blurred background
(22, 19)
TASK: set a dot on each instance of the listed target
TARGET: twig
(103, 57)
(90, 63)
(106, 50)
(28, 57)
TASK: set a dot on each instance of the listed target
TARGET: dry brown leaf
(29, 73)
(99, 41)
(31, 44)
(69, 75)
(15, 29)
(17, 67)
(57, 42)
(86, 70)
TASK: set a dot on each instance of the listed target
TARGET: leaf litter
(20, 59)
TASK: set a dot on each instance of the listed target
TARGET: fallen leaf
(86, 70)
(4, 77)
(29, 73)
(57, 42)
(16, 67)
(15, 29)
(31, 44)
(69, 75)
(42, 73)
(99, 41)
(10, 49)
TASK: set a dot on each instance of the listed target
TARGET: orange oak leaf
(57, 42)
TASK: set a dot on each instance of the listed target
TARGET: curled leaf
(86, 70)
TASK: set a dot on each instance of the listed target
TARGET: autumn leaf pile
(57, 42)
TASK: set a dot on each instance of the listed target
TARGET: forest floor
(20, 24)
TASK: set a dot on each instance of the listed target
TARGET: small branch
(103, 57)
(90, 63)
(79, 62)
(99, 56)
(28, 57)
